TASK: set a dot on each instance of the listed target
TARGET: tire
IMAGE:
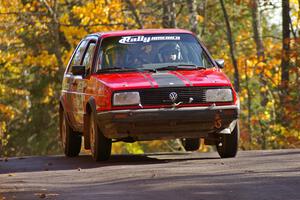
(191, 144)
(71, 140)
(229, 144)
(100, 145)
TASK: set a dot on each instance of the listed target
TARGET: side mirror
(220, 63)
(78, 70)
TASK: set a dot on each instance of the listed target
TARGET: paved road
(268, 175)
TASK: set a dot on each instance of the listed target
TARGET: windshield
(152, 52)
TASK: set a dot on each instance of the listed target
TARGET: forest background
(259, 40)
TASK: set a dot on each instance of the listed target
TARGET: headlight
(218, 95)
(126, 98)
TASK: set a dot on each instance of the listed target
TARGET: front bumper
(166, 123)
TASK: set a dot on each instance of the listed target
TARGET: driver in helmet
(140, 55)
(169, 53)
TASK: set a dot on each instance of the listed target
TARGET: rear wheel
(100, 145)
(191, 144)
(71, 140)
(228, 145)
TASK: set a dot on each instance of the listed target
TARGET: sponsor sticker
(145, 39)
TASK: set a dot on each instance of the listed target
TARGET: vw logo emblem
(173, 96)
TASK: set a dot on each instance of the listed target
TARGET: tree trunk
(54, 29)
(58, 46)
(173, 14)
(298, 52)
(257, 35)
(169, 14)
(249, 103)
(205, 18)
(232, 47)
(135, 15)
(285, 63)
(193, 16)
(257, 30)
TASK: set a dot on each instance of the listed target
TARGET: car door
(80, 82)
(69, 84)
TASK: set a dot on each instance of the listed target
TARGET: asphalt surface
(251, 175)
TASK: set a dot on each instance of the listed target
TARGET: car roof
(141, 32)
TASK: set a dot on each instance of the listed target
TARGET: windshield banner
(145, 39)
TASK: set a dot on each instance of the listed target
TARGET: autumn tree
(38, 39)
(231, 44)
(262, 59)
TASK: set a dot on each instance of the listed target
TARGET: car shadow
(53, 163)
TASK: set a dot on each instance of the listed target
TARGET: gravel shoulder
(251, 175)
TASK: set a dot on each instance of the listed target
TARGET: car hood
(178, 78)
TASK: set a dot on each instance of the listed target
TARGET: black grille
(160, 96)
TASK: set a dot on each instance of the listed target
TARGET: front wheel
(100, 145)
(228, 144)
(71, 140)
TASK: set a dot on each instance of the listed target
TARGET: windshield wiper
(180, 66)
(116, 69)
(141, 69)
(192, 65)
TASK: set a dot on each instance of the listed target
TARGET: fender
(89, 108)
(63, 107)
(61, 102)
(92, 103)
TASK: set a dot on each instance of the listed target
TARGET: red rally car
(146, 85)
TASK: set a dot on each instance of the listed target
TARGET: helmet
(169, 53)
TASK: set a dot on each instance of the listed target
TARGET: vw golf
(139, 85)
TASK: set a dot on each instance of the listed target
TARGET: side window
(99, 60)
(206, 61)
(88, 57)
(78, 55)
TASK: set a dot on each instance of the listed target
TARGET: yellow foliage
(200, 18)
(48, 93)
(134, 148)
(131, 148)
(7, 111)
(5, 90)
(117, 148)
(44, 59)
